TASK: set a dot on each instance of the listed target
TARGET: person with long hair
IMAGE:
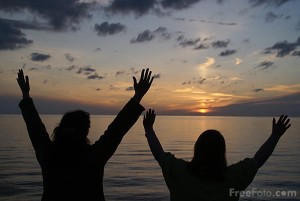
(207, 176)
(72, 168)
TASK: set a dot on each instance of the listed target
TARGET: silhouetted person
(73, 169)
(207, 176)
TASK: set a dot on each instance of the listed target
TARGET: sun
(203, 111)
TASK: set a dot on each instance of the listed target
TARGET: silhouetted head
(209, 161)
(72, 129)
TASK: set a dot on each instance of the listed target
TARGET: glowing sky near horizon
(204, 54)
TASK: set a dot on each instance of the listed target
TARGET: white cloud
(238, 61)
(209, 61)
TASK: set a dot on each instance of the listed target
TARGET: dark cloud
(178, 4)
(129, 89)
(296, 53)
(95, 76)
(12, 38)
(270, 17)
(98, 49)
(25, 25)
(265, 65)
(276, 3)
(184, 42)
(86, 70)
(283, 48)
(69, 57)
(61, 15)
(157, 76)
(120, 73)
(137, 7)
(247, 40)
(199, 81)
(39, 57)
(258, 90)
(147, 35)
(227, 53)
(220, 43)
(71, 68)
(201, 47)
(106, 28)
(288, 104)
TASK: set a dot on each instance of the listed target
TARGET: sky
(208, 57)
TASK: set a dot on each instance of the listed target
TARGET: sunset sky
(209, 57)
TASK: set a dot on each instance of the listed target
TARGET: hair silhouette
(72, 129)
(209, 160)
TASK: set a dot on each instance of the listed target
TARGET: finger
(288, 126)
(274, 121)
(284, 118)
(27, 80)
(280, 118)
(142, 75)
(146, 74)
(286, 123)
(149, 76)
(151, 81)
(134, 81)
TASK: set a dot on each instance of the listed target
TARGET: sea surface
(132, 173)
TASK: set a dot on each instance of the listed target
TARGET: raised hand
(149, 119)
(279, 127)
(143, 85)
(23, 82)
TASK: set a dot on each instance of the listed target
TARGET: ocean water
(133, 174)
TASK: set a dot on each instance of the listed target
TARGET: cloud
(209, 61)
(296, 53)
(201, 47)
(195, 81)
(39, 57)
(258, 90)
(129, 89)
(61, 15)
(71, 68)
(147, 35)
(69, 57)
(137, 7)
(25, 25)
(184, 42)
(106, 28)
(12, 38)
(95, 76)
(288, 104)
(283, 48)
(237, 61)
(157, 76)
(270, 17)
(178, 4)
(265, 65)
(276, 3)
(86, 70)
(227, 53)
(220, 44)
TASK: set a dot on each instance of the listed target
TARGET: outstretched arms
(112, 137)
(143, 85)
(36, 129)
(152, 139)
(278, 129)
(23, 83)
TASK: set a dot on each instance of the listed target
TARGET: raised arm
(152, 139)
(36, 129)
(278, 129)
(109, 141)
